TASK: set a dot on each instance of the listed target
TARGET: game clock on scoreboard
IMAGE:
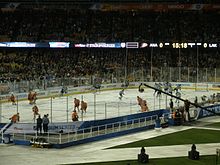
(179, 45)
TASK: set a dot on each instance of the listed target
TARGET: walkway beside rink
(97, 152)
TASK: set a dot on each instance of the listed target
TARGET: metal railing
(158, 74)
(94, 131)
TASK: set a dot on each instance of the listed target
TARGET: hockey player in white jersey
(121, 93)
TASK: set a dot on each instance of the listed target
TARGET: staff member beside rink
(39, 125)
(45, 122)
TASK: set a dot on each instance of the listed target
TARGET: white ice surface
(104, 104)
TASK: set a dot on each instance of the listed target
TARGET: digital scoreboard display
(177, 45)
(126, 45)
(191, 45)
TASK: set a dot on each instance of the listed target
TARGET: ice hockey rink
(96, 151)
(101, 105)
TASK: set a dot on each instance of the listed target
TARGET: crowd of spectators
(110, 26)
(29, 64)
(83, 26)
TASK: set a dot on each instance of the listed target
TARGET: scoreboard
(182, 45)
(128, 45)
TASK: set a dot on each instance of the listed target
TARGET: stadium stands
(83, 25)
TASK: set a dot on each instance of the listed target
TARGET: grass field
(191, 136)
(204, 160)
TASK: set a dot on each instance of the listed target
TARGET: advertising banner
(201, 113)
(153, 7)
(52, 127)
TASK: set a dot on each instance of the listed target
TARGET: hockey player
(62, 91)
(144, 107)
(121, 93)
(170, 89)
(32, 97)
(158, 89)
(177, 88)
(83, 106)
(97, 84)
(204, 98)
(178, 94)
(35, 110)
(75, 116)
(125, 84)
(212, 99)
(166, 87)
(12, 99)
(139, 100)
(76, 104)
(15, 118)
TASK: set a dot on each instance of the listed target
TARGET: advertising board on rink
(52, 127)
(201, 113)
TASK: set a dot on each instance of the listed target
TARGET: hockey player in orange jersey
(139, 100)
(144, 107)
(35, 110)
(76, 104)
(32, 97)
(75, 116)
(15, 118)
(83, 106)
(12, 99)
